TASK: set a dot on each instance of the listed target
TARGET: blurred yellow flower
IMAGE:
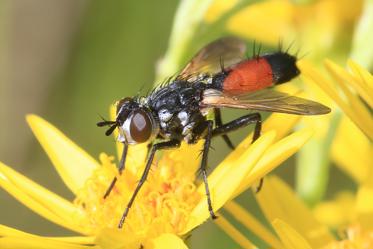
(355, 234)
(296, 226)
(322, 24)
(169, 206)
(352, 92)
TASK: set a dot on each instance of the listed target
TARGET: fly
(217, 76)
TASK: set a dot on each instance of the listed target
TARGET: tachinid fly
(217, 76)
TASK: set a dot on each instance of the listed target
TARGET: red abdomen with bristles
(249, 75)
(258, 73)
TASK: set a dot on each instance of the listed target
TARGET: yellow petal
(336, 213)
(73, 164)
(361, 115)
(281, 123)
(117, 239)
(274, 156)
(167, 241)
(278, 201)
(218, 8)
(38, 243)
(14, 239)
(11, 232)
(188, 154)
(82, 240)
(364, 204)
(113, 114)
(352, 151)
(272, 123)
(136, 157)
(341, 93)
(266, 21)
(49, 202)
(234, 233)
(363, 82)
(226, 178)
(291, 238)
(252, 224)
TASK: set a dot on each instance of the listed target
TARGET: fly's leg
(259, 186)
(239, 123)
(203, 167)
(219, 123)
(149, 146)
(158, 146)
(121, 168)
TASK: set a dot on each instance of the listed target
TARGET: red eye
(140, 126)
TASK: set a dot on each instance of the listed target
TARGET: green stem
(313, 165)
(362, 49)
(188, 18)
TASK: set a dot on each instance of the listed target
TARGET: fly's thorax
(181, 124)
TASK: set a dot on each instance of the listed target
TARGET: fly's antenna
(112, 124)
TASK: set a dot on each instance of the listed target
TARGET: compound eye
(140, 126)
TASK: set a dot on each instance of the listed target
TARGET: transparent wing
(264, 100)
(225, 51)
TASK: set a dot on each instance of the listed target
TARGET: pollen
(355, 237)
(162, 205)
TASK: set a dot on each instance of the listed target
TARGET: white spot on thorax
(183, 117)
(164, 115)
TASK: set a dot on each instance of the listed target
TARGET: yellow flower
(295, 225)
(168, 207)
(352, 92)
(324, 24)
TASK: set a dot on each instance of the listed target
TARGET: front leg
(158, 146)
(121, 168)
(203, 167)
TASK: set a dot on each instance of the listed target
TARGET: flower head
(170, 205)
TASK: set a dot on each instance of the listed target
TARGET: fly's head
(135, 122)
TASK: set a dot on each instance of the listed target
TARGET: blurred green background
(67, 61)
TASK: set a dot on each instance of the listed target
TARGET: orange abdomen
(249, 75)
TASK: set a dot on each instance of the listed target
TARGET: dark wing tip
(318, 109)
